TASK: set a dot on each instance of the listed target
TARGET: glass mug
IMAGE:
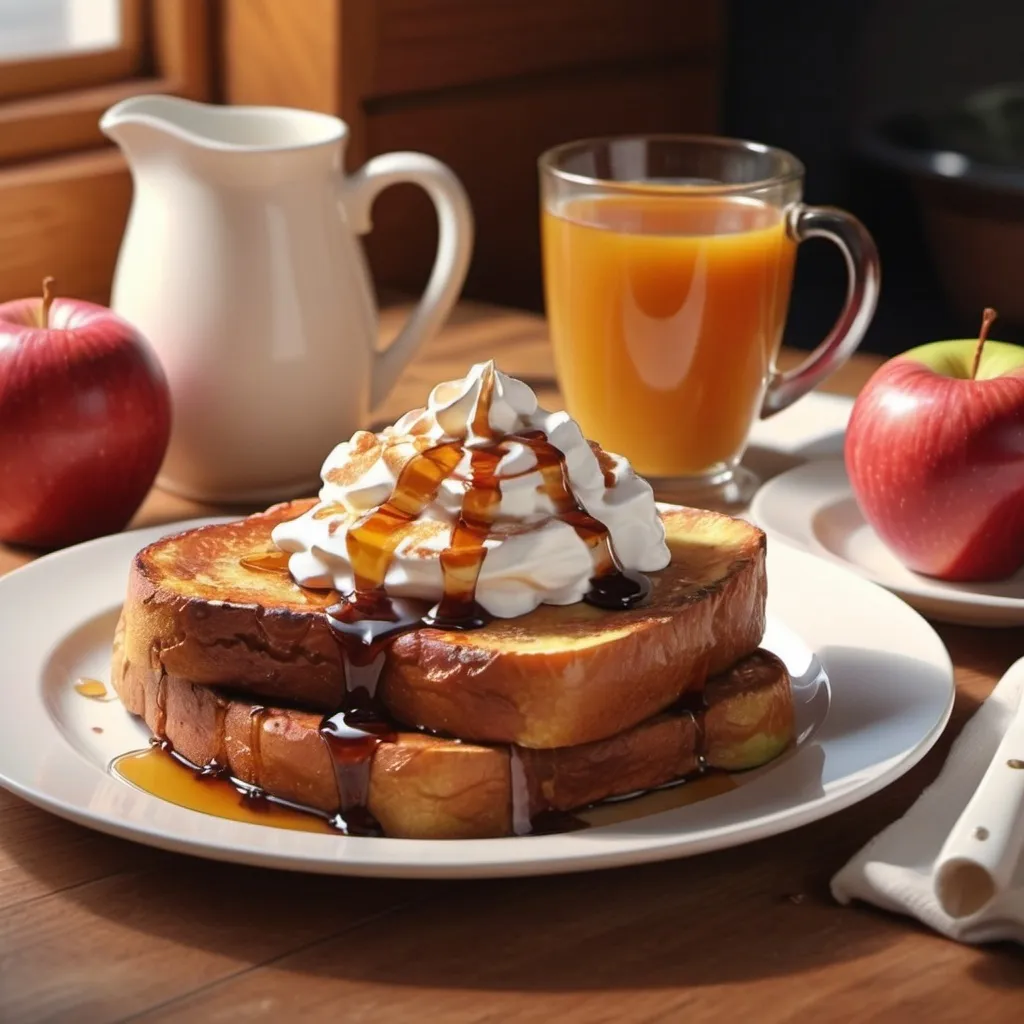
(668, 265)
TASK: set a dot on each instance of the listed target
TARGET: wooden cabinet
(485, 86)
(425, 45)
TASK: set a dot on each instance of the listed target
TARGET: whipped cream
(532, 557)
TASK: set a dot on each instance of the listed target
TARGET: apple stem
(987, 319)
(48, 297)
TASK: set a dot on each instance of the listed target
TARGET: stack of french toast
(236, 667)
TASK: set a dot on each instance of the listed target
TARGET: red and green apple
(935, 455)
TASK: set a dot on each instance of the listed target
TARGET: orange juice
(666, 313)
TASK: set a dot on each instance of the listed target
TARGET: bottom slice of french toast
(427, 787)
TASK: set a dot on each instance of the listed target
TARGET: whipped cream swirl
(532, 557)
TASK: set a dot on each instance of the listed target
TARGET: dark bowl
(965, 166)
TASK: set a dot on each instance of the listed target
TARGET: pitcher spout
(142, 122)
(145, 122)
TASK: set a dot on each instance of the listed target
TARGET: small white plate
(813, 508)
(889, 680)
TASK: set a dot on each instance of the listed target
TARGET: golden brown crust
(192, 610)
(558, 677)
(427, 787)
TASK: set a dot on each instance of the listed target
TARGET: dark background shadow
(813, 78)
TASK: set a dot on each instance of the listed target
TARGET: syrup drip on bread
(693, 705)
(266, 561)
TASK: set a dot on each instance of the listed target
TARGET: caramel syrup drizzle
(266, 561)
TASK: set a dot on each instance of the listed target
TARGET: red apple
(935, 455)
(84, 420)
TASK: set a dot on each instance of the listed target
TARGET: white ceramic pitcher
(241, 264)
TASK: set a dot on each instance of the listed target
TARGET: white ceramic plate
(889, 680)
(812, 507)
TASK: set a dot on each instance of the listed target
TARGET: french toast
(429, 787)
(558, 677)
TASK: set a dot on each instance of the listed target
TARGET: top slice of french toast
(205, 606)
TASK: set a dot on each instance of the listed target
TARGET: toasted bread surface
(558, 677)
(428, 787)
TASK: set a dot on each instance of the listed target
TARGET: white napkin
(898, 869)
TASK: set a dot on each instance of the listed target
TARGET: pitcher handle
(862, 267)
(454, 246)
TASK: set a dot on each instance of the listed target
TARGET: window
(64, 191)
(44, 28)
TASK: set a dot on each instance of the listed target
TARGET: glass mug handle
(863, 278)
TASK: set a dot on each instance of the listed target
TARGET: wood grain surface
(98, 929)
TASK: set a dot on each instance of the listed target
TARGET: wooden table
(97, 929)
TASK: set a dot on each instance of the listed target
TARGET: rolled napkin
(954, 860)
